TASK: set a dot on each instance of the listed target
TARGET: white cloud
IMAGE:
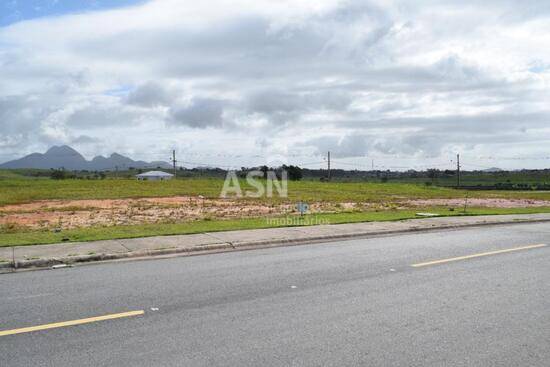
(301, 77)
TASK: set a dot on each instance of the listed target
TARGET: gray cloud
(85, 139)
(199, 113)
(270, 101)
(151, 94)
(459, 125)
(102, 116)
(341, 147)
(17, 114)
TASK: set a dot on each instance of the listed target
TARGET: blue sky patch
(13, 11)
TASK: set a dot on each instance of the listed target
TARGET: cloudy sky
(401, 84)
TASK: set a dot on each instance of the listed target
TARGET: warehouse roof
(155, 174)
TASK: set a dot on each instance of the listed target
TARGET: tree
(433, 173)
(58, 174)
(294, 172)
(264, 170)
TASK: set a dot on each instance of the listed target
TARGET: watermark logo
(264, 183)
(294, 221)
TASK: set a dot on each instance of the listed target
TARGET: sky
(383, 84)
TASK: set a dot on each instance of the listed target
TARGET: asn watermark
(262, 183)
(296, 221)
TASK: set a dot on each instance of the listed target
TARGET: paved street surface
(475, 297)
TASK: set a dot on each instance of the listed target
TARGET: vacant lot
(32, 209)
(71, 214)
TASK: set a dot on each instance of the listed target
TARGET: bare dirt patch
(480, 202)
(67, 214)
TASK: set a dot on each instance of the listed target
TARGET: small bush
(58, 174)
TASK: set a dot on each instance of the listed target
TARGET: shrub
(58, 174)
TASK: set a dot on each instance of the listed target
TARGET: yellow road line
(476, 255)
(71, 323)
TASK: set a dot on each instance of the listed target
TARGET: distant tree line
(538, 179)
(61, 174)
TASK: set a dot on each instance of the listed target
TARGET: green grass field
(21, 190)
(22, 238)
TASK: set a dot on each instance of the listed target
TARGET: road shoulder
(46, 256)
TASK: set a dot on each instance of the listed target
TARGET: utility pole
(174, 162)
(458, 170)
(116, 171)
(328, 161)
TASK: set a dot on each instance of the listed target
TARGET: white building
(154, 176)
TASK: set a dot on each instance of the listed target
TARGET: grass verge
(22, 238)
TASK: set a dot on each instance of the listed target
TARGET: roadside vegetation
(36, 208)
(21, 236)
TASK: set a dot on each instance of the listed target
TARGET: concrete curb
(238, 246)
(329, 238)
(70, 260)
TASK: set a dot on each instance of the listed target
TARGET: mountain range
(69, 159)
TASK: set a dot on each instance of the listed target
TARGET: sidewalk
(69, 253)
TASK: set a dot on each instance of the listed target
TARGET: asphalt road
(345, 303)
